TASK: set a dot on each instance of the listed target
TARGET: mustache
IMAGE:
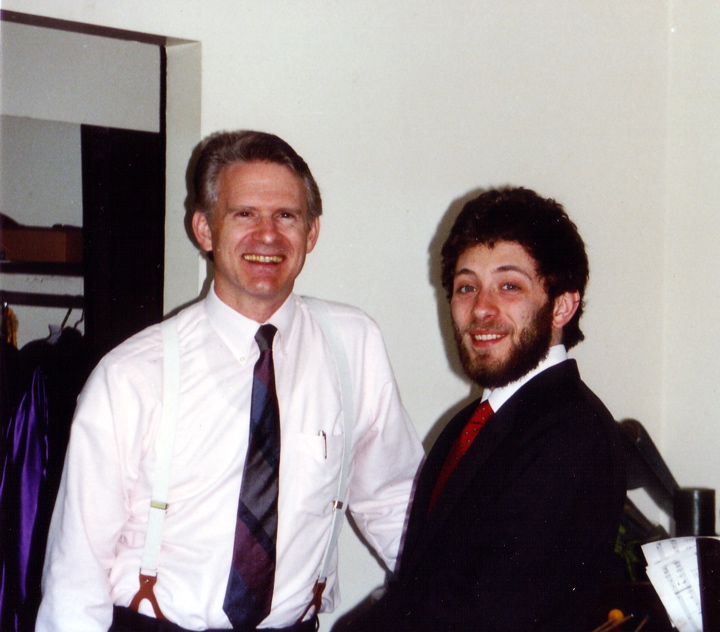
(486, 326)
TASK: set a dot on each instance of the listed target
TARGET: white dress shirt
(98, 528)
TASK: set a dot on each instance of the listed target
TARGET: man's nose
(485, 305)
(266, 231)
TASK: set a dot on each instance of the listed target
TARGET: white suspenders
(332, 334)
(166, 439)
(164, 443)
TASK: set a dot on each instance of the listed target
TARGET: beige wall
(40, 65)
(403, 108)
(691, 298)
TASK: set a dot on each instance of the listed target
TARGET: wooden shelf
(42, 268)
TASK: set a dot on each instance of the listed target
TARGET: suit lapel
(428, 475)
(423, 528)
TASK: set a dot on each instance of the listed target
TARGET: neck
(259, 310)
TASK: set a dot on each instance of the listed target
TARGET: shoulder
(558, 398)
(342, 312)
(142, 353)
(143, 346)
(350, 320)
(360, 335)
(559, 386)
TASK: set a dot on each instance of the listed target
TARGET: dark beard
(533, 349)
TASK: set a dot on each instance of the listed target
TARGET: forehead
(502, 256)
(260, 183)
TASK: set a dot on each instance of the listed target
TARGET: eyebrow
(512, 268)
(504, 268)
(253, 207)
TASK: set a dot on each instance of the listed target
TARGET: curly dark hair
(541, 226)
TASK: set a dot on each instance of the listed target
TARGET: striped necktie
(252, 574)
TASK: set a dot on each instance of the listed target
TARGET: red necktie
(460, 447)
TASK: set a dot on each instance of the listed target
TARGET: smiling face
(503, 318)
(259, 234)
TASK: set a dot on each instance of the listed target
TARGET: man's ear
(313, 234)
(201, 229)
(564, 309)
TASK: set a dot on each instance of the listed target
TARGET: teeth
(263, 258)
(487, 337)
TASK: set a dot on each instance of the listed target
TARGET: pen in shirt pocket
(324, 438)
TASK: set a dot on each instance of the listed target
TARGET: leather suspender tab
(147, 582)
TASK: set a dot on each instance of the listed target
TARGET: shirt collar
(498, 396)
(238, 331)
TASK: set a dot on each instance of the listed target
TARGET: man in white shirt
(518, 504)
(257, 216)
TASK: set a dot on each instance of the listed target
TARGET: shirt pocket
(317, 473)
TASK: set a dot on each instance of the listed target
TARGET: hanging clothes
(9, 386)
(32, 452)
(10, 390)
(24, 474)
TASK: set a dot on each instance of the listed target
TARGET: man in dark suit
(513, 531)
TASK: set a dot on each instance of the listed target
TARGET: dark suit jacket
(521, 536)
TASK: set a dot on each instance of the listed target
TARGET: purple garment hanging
(24, 471)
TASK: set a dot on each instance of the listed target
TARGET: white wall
(691, 406)
(38, 66)
(34, 152)
(403, 108)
